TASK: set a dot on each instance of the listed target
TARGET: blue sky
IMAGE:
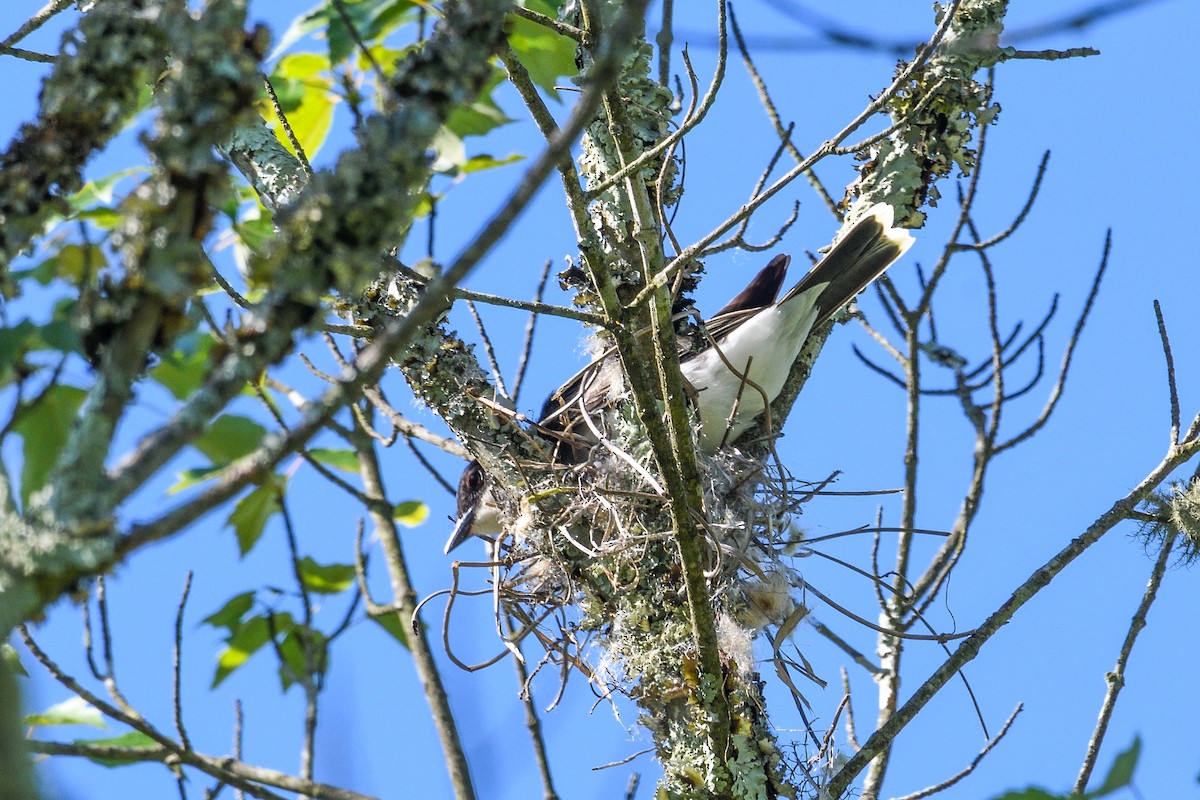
(1119, 130)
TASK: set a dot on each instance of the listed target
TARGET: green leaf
(327, 578)
(291, 666)
(304, 24)
(191, 477)
(247, 640)
(94, 193)
(251, 514)
(1120, 774)
(134, 741)
(424, 205)
(410, 513)
(385, 57)
(230, 615)
(289, 90)
(255, 232)
(71, 263)
(294, 663)
(546, 54)
(481, 162)
(74, 711)
(345, 460)
(184, 369)
(483, 114)
(103, 218)
(476, 119)
(1032, 793)
(304, 81)
(60, 335)
(15, 342)
(372, 19)
(101, 190)
(12, 661)
(395, 628)
(229, 437)
(44, 428)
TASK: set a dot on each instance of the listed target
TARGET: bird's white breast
(768, 342)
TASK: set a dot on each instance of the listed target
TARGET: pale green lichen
(39, 558)
(631, 588)
(93, 91)
(942, 105)
(1177, 510)
(644, 109)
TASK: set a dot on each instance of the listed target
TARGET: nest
(590, 553)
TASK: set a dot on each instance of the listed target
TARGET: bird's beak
(462, 529)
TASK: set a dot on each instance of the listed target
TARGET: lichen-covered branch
(405, 599)
(654, 599)
(66, 534)
(330, 238)
(208, 90)
(88, 98)
(903, 170)
(273, 172)
(221, 767)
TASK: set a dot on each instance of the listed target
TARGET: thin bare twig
(527, 343)
(405, 597)
(489, 350)
(536, 307)
(621, 761)
(309, 658)
(1056, 392)
(851, 736)
(664, 41)
(110, 671)
(1172, 388)
(293, 140)
(238, 727)
(177, 664)
(36, 21)
(773, 115)
(1048, 55)
(236, 773)
(533, 723)
(1021, 216)
(27, 55)
(570, 31)
(1116, 678)
(946, 784)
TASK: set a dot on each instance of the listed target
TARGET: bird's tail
(860, 256)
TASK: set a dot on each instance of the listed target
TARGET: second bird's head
(477, 513)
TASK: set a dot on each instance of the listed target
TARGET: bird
(750, 346)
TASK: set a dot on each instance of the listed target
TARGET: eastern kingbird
(751, 344)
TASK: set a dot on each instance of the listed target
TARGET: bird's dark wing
(588, 392)
(762, 289)
(858, 258)
(599, 385)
